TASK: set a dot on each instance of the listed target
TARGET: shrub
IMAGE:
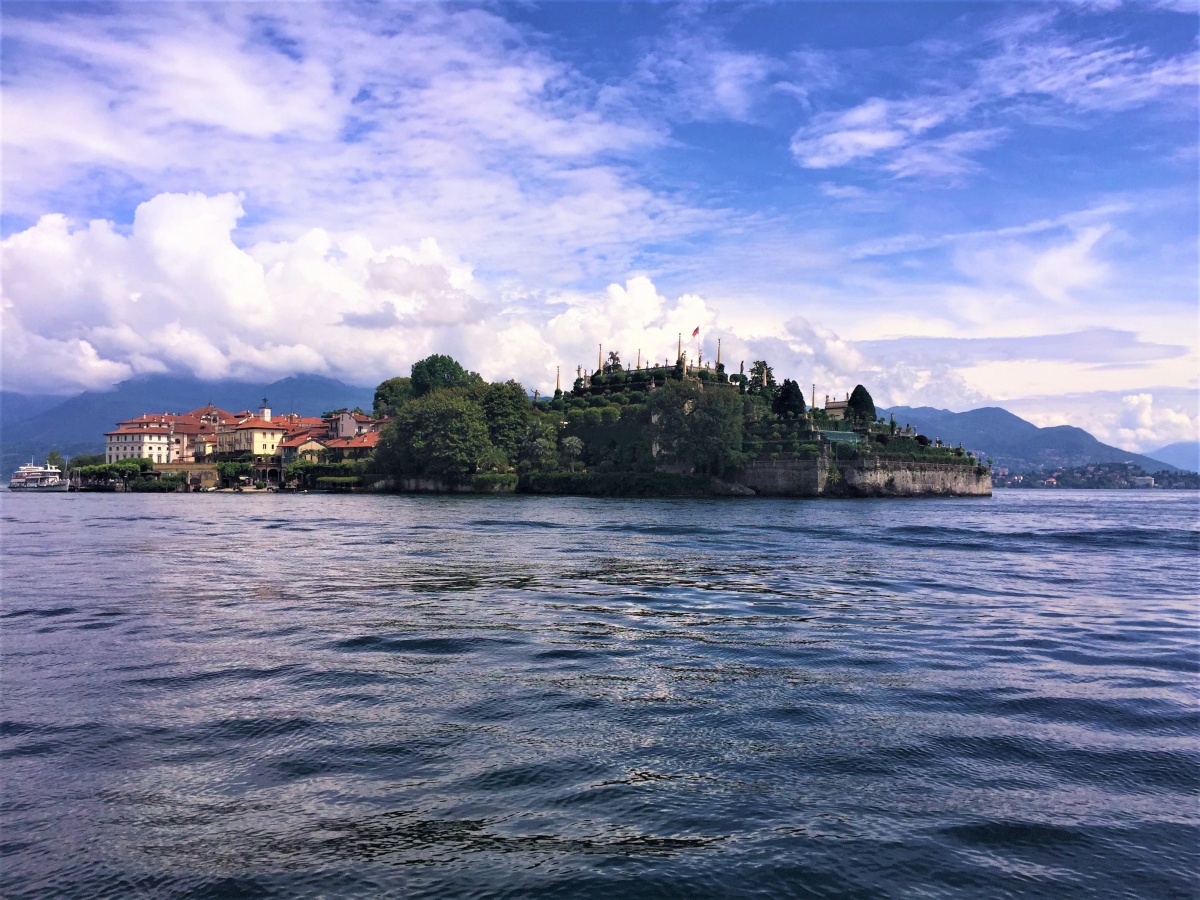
(494, 483)
(609, 415)
(591, 417)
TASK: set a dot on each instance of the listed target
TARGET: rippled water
(301, 696)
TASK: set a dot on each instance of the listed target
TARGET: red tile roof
(258, 424)
(369, 439)
(301, 439)
(210, 410)
(138, 431)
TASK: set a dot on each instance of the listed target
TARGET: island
(646, 428)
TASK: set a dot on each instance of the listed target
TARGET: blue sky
(955, 204)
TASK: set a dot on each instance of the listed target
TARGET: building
(347, 424)
(836, 409)
(302, 446)
(152, 442)
(166, 437)
(253, 435)
(356, 447)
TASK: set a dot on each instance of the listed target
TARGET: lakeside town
(645, 427)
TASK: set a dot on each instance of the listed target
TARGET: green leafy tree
(789, 402)
(54, 458)
(506, 408)
(761, 380)
(441, 435)
(860, 409)
(86, 459)
(691, 425)
(231, 471)
(391, 395)
(127, 469)
(436, 372)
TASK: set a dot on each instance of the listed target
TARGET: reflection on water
(320, 695)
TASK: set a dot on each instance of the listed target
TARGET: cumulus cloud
(177, 293)
(1140, 421)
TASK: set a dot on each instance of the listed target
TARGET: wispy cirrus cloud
(401, 122)
(1022, 66)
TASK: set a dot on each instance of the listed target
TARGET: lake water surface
(322, 696)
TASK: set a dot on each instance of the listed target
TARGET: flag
(696, 332)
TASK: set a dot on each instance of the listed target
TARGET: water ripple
(315, 696)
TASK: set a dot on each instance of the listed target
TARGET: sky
(955, 204)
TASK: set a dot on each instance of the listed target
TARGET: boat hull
(61, 488)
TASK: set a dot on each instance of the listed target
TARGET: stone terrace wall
(784, 477)
(792, 477)
(882, 478)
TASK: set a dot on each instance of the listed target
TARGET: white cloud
(1060, 270)
(398, 123)
(1026, 63)
(1140, 421)
(177, 294)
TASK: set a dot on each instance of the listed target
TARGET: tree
(694, 426)
(54, 458)
(391, 395)
(761, 379)
(539, 448)
(790, 400)
(436, 372)
(506, 409)
(126, 469)
(442, 435)
(231, 471)
(86, 459)
(860, 409)
(572, 449)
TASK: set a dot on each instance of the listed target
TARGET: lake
(315, 696)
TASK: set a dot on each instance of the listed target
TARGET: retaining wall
(820, 477)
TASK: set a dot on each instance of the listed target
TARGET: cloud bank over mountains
(969, 209)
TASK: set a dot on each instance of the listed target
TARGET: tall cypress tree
(790, 400)
(861, 408)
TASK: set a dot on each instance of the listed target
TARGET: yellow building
(255, 435)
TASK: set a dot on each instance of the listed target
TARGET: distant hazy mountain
(1012, 442)
(1184, 454)
(16, 407)
(77, 425)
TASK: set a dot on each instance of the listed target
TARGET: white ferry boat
(38, 479)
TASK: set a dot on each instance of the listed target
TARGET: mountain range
(33, 425)
(1184, 454)
(1010, 441)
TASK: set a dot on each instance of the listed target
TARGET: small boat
(38, 479)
